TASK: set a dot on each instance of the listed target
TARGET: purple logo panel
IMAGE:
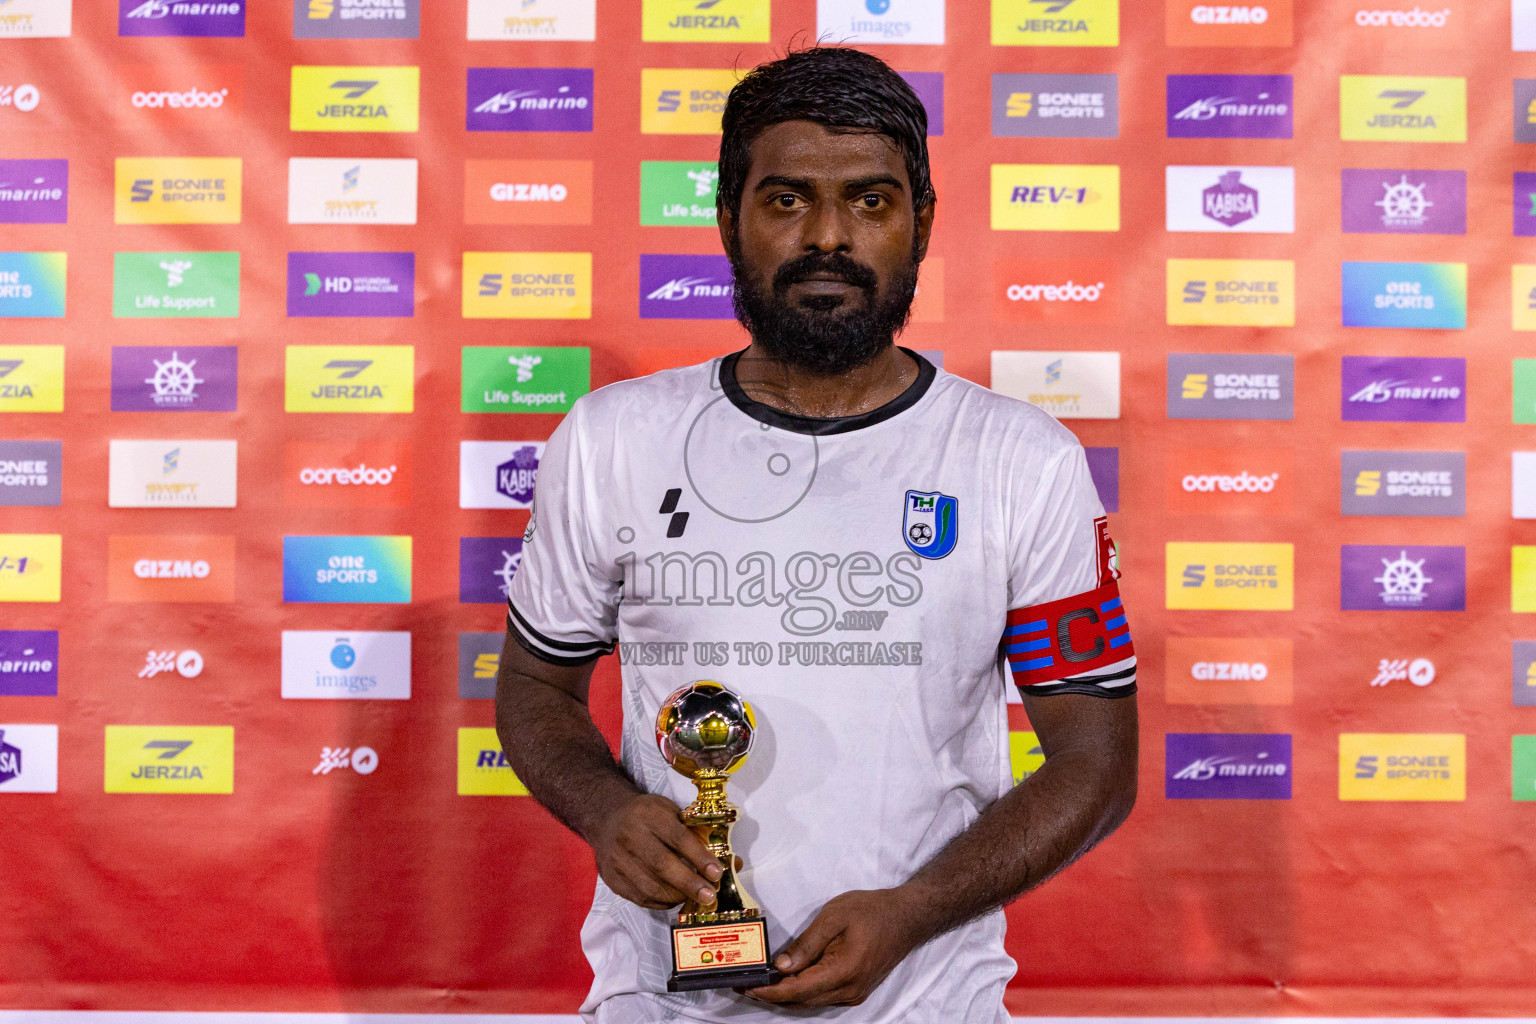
(351, 283)
(181, 17)
(685, 287)
(1387, 577)
(929, 86)
(486, 566)
(1104, 467)
(1228, 766)
(529, 100)
(29, 663)
(1525, 204)
(1404, 202)
(1404, 388)
(1229, 107)
(34, 191)
(179, 378)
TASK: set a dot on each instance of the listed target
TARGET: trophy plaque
(704, 732)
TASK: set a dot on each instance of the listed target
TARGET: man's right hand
(646, 855)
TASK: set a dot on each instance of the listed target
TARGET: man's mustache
(836, 264)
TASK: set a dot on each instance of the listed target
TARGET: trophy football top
(704, 729)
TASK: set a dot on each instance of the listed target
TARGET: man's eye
(873, 201)
(786, 201)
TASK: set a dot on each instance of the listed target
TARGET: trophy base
(720, 955)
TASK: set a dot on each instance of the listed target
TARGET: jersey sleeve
(1066, 628)
(562, 605)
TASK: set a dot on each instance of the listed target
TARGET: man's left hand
(846, 952)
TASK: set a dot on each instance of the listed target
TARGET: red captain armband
(1069, 637)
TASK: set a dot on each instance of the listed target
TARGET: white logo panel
(1523, 499)
(498, 474)
(29, 759)
(880, 21)
(1068, 385)
(346, 665)
(35, 19)
(1522, 18)
(328, 191)
(1224, 199)
(172, 474)
(533, 19)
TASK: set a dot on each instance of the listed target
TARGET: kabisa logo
(176, 284)
(498, 474)
(171, 474)
(188, 664)
(1402, 766)
(685, 287)
(32, 284)
(533, 19)
(1386, 108)
(180, 379)
(529, 100)
(930, 523)
(29, 663)
(527, 285)
(1190, 23)
(1395, 483)
(31, 378)
(1227, 199)
(1234, 576)
(181, 18)
(486, 567)
(1402, 389)
(29, 758)
(1231, 387)
(35, 19)
(347, 570)
(531, 192)
(31, 566)
(499, 379)
(354, 99)
(1079, 291)
(1399, 201)
(1068, 385)
(1250, 670)
(880, 21)
(1402, 578)
(350, 378)
(1229, 107)
(482, 766)
(170, 568)
(351, 284)
(346, 665)
(697, 21)
(170, 759)
(1228, 766)
(1056, 106)
(326, 191)
(30, 473)
(359, 474)
(362, 760)
(177, 190)
(1405, 295)
(683, 101)
(1055, 197)
(1419, 671)
(356, 19)
(34, 191)
(1055, 23)
(479, 661)
(678, 193)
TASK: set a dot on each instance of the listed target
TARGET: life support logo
(930, 523)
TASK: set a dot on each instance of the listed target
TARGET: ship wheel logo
(509, 563)
(174, 382)
(1403, 202)
(1402, 580)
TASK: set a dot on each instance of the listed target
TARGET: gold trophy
(704, 732)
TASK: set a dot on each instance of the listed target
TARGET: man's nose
(827, 228)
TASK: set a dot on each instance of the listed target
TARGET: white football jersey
(868, 584)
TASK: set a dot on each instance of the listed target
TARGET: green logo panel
(176, 284)
(524, 379)
(1525, 390)
(677, 193)
(1523, 775)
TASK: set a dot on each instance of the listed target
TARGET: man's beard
(822, 336)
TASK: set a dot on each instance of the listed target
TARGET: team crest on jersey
(931, 523)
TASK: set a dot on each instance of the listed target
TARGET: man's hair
(843, 90)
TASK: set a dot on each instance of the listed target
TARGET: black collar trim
(822, 426)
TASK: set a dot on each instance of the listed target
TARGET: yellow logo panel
(31, 378)
(1396, 108)
(483, 768)
(170, 759)
(1522, 591)
(1055, 23)
(177, 190)
(1228, 576)
(30, 566)
(683, 101)
(1024, 754)
(1232, 293)
(1523, 293)
(350, 378)
(1055, 197)
(1402, 766)
(683, 21)
(355, 99)
(527, 285)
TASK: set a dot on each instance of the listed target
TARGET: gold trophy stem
(710, 816)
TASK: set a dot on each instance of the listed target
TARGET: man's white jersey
(869, 585)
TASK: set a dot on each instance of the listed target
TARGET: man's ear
(924, 229)
(725, 220)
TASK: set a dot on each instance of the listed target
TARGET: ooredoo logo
(1230, 481)
(347, 475)
(170, 568)
(1415, 17)
(1056, 291)
(186, 94)
(1246, 670)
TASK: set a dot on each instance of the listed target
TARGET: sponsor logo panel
(1402, 766)
(1068, 385)
(356, 19)
(1104, 467)
(347, 570)
(497, 379)
(170, 568)
(479, 661)
(1025, 755)
(171, 474)
(31, 378)
(340, 474)
(1193, 23)
(1055, 23)
(1223, 199)
(1405, 388)
(1524, 372)
(1228, 766)
(498, 474)
(1406, 577)
(529, 100)
(685, 287)
(30, 473)
(352, 284)
(929, 87)
(533, 19)
(29, 758)
(1523, 681)
(1525, 110)
(1216, 386)
(362, 760)
(29, 663)
(31, 566)
(346, 665)
(176, 284)
(693, 21)
(1522, 16)
(1395, 108)
(34, 191)
(177, 190)
(181, 378)
(1231, 481)
(678, 193)
(1066, 291)
(1394, 483)
(181, 18)
(1245, 670)
(880, 21)
(1525, 204)
(1230, 576)
(350, 378)
(1522, 483)
(1231, 293)
(535, 192)
(486, 568)
(32, 284)
(179, 97)
(1522, 564)
(1229, 107)
(36, 19)
(170, 759)
(1522, 751)
(1404, 202)
(527, 285)
(483, 768)
(1405, 295)
(354, 99)
(1056, 106)
(683, 101)
(1406, 24)
(327, 191)
(1055, 197)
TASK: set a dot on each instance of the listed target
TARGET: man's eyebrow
(784, 181)
(806, 184)
(859, 184)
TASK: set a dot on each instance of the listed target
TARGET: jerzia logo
(1383, 108)
(930, 523)
(354, 99)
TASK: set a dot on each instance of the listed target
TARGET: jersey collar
(822, 426)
